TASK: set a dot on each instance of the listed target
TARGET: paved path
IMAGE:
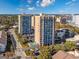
(18, 51)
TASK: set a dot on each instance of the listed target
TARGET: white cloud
(38, 3)
(61, 11)
(73, 0)
(20, 9)
(29, 1)
(31, 8)
(68, 3)
(27, 5)
(23, 9)
(45, 3)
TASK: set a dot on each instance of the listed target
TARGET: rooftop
(0, 33)
(3, 37)
(63, 55)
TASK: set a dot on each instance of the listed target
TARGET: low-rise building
(62, 34)
(63, 55)
(3, 41)
(75, 53)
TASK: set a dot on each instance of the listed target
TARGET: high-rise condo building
(24, 24)
(44, 29)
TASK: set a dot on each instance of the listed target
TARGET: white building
(58, 19)
(75, 20)
(3, 41)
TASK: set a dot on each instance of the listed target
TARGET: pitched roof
(63, 55)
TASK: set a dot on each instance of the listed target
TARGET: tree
(58, 47)
(44, 53)
(29, 53)
(69, 46)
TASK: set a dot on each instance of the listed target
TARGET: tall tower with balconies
(44, 29)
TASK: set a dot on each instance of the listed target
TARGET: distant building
(58, 19)
(12, 17)
(63, 20)
(75, 20)
(66, 19)
(3, 41)
(44, 29)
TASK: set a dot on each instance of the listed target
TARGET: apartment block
(44, 29)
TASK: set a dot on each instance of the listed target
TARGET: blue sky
(39, 6)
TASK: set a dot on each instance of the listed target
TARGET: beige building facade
(44, 29)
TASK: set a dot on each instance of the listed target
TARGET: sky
(39, 6)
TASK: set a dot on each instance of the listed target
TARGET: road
(13, 42)
(18, 51)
